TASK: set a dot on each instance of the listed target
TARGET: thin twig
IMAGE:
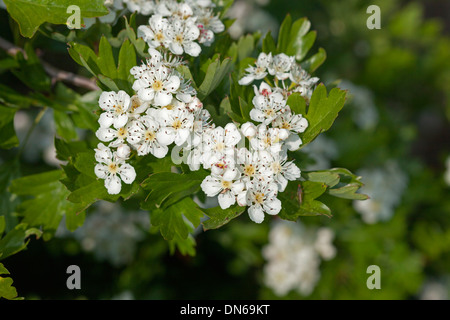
(55, 73)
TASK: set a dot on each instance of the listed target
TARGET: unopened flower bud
(248, 129)
(123, 151)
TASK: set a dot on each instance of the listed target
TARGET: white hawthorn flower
(116, 137)
(268, 107)
(281, 66)
(154, 32)
(290, 121)
(176, 126)
(262, 198)
(226, 186)
(220, 142)
(144, 7)
(181, 35)
(186, 91)
(283, 171)
(143, 137)
(254, 166)
(116, 106)
(264, 89)
(226, 163)
(137, 107)
(112, 169)
(269, 139)
(304, 82)
(157, 86)
(208, 24)
(259, 71)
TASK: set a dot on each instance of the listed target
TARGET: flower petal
(101, 171)
(162, 99)
(192, 49)
(106, 120)
(112, 184)
(211, 186)
(127, 173)
(226, 200)
(256, 213)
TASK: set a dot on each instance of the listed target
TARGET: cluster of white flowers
(293, 255)
(250, 173)
(286, 75)
(385, 186)
(179, 26)
(165, 110)
(162, 111)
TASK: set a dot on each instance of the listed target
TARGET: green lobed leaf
(184, 246)
(30, 14)
(300, 200)
(16, 240)
(315, 61)
(138, 43)
(177, 219)
(215, 71)
(268, 44)
(30, 70)
(341, 182)
(304, 44)
(7, 291)
(284, 34)
(218, 217)
(65, 127)
(322, 111)
(166, 188)
(297, 103)
(48, 203)
(111, 75)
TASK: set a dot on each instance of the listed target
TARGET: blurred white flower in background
(294, 254)
(435, 289)
(322, 151)
(385, 186)
(361, 102)
(110, 232)
(250, 17)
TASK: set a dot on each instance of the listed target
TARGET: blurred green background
(394, 131)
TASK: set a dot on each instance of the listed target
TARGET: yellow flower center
(159, 36)
(149, 135)
(177, 124)
(118, 109)
(112, 168)
(157, 85)
(269, 112)
(220, 146)
(135, 103)
(226, 184)
(249, 170)
(259, 197)
(286, 125)
(179, 38)
(122, 133)
(276, 167)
